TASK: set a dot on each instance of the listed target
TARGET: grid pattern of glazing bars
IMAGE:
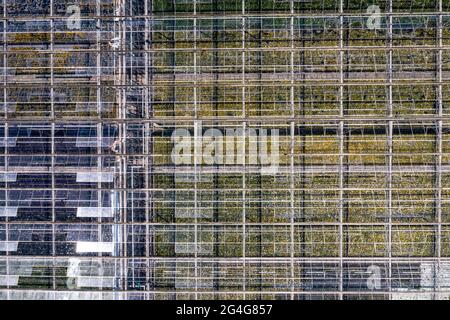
(92, 205)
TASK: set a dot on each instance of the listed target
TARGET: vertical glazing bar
(98, 127)
(197, 152)
(195, 61)
(291, 62)
(123, 86)
(439, 144)
(390, 142)
(292, 151)
(6, 136)
(146, 136)
(98, 58)
(197, 162)
(244, 128)
(341, 149)
(292, 208)
(52, 103)
(8, 271)
(244, 207)
(243, 57)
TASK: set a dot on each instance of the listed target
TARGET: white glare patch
(95, 282)
(115, 43)
(8, 142)
(8, 177)
(9, 246)
(94, 247)
(8, 212)
(95, 177)
(94, 212)
(11, 281)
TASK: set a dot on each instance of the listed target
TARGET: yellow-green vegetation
(29, 61)
(252, 6)
(316, 241)
(413, 149)
(367, 149)
(29, 38)
(445, 241)
(413, 242)
(64, 37)
(318, 149)
(366, 242)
